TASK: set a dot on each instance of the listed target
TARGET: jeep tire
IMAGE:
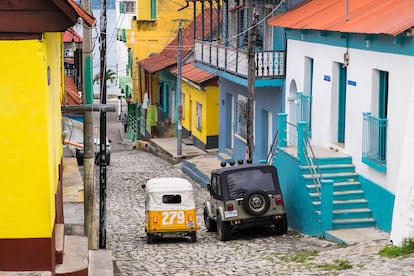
(281, 226)
(223, 229)
(256, 203)
(210, 224)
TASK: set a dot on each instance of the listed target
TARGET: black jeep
(244, 196)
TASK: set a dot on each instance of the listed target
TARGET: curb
(189, 169)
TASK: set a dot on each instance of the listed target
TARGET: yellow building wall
(149, 37)
(30, 135)
(210, 110)
(146, 37)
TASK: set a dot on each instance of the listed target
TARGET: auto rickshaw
(169, 208)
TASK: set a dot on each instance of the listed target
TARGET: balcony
(270, 65)
(374, 145)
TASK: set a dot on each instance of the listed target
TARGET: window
(129, 6)
(198, 115)
(171, 199)
(153, 9)
(241, 124)
(375, 124)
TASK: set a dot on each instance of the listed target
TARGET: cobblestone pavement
(250, 253)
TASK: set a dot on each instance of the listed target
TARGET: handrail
(313, 165)
(273, 149)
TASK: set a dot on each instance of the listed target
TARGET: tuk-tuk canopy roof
(168, 184)
(156, 188)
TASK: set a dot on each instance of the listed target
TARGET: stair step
(59, 242)
(331, 168)
(342, 195)
(352, 213)
(338, 186)
(335, 160)
(345, 204)
(101, 263)
(335, 177)
(75, 257)
(353, 223)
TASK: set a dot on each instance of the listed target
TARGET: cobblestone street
(248, 253)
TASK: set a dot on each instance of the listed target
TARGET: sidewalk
(196, 163)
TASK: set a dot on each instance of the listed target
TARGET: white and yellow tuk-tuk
(169, 208)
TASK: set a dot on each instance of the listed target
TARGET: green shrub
(406, 248)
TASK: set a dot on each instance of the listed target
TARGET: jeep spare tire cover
(256, 203)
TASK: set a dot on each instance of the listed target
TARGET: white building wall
(399, 178)
(403, 217)
(123, 21)
(362, 65)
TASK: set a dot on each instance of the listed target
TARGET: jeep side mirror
(209, 187)
(143, 186)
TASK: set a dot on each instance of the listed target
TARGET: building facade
(349, 80)
(32, 81)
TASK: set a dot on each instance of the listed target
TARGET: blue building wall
(299, 209)
(380, 201)
(267, 100)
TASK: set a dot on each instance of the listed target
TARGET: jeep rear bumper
(261, 220)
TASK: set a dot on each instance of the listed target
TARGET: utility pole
(251, 43)
(179, 96)
(102, 134)
(88, 160)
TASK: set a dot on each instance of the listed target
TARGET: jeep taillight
(279, 201)
(230, 207)
(154, 219)
(190, 218)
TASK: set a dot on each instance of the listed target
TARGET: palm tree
(109, 76)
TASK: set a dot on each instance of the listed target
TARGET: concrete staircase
(76, 259)
(350, 207)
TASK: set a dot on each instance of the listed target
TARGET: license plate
(229, 214)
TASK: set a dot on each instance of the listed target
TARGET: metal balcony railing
(269, 64)
(374, 139)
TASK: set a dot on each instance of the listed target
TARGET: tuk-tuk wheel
(193, 236)
(150, 238)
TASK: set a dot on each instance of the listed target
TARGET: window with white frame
(198, 115)
(241, 123)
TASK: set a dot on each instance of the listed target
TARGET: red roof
(71, 36)
(86, 17)
(194, 74)
(364, 16)
(168, 56)
(71, 95)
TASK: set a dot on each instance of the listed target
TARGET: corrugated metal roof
(71, 96)
(168, 56)
(364, 16)
(193, 74)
